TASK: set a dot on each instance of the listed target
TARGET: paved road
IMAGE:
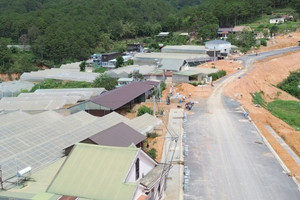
(227, 156)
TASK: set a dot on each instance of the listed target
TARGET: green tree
(144, 109)
(120, 61)
(82, 66)
(208, 31)
(103, 80)
(5, 55)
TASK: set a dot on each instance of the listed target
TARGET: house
(223, 32)
(277, 20)
(218, 45)
(287, 17)
(124, 81)
(163, 34)
(108, 59)
(135, 47)
(117, 99)
(237, 29)
(105, 172)
(119, 135)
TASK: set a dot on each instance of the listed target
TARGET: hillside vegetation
(62, 30)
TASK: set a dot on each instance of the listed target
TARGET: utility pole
(1, 181)
(154, 105)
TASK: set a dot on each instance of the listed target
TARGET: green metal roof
(96, 172)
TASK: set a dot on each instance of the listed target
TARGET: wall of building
(179, 78)
(146, 165)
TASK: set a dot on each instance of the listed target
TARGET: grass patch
(258, 99)
(288, 111)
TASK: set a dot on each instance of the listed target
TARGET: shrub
(144, 109)
(263, 42)
(152, 135)
(217, 75)
(290, 84)
(152, 153)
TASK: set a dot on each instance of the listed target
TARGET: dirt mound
(183, 89)
(229, 66)
(266, 74)
(281, 41)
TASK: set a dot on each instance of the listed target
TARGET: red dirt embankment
(266, 74)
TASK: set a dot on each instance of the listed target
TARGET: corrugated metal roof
(145, 123)
(120, 135)
(157, 55)
(116, 98)
(12, 88)
(96, 172)
(196, 71)
(171, 64)
(216, 42)
(184, 47)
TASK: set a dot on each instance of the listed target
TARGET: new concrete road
(228, 159)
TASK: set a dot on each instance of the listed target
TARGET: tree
(5, 56)
(82, 66)
(105, 81)
(120, 61)
(144, 109)
(208, 31)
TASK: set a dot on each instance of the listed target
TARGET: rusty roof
(120, 135)
(117, 98)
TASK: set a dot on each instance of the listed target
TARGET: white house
(277, 20)
(218, 45)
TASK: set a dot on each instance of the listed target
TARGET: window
(137, 169)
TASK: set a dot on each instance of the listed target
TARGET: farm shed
(119, 98)
(186, 49)
(219, 45)
(193, 74)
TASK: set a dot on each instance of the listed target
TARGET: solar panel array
(38, 140)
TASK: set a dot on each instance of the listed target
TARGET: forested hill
(61, 30)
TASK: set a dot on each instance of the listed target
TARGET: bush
(290, 84)
(263, 42)
(217, 75)
(144, 109)
(105, 81)
(152, 135)
(152, 153)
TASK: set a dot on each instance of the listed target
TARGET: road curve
(227, 156)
